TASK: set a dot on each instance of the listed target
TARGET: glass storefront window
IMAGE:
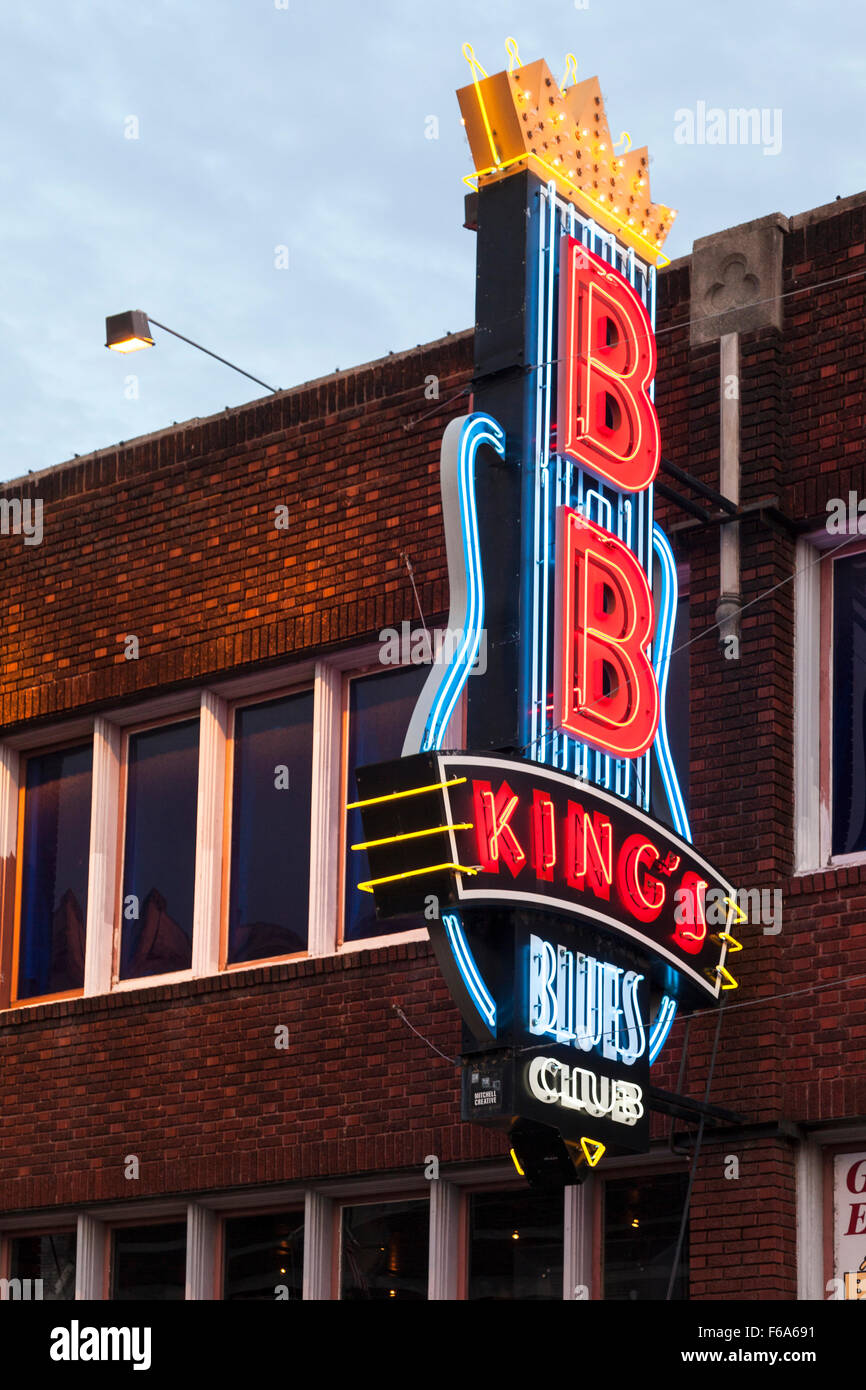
(149, 1262)
(49, 1258)
(641, 1224)
(264, 1256)
(385, 1250)
(515, 1245)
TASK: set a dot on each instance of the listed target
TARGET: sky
(258, 175)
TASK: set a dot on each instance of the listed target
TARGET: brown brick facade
(173, 539)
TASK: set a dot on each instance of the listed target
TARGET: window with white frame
(158, 877)
(148, 1262)
(844, 623)
(53, 858)
(42, 1266)
(263, 1256)
(379, 707)
(384, 1250)
(269, 855)
(196, 833)
(514, 1245)
(830, 702)
(642, 1218)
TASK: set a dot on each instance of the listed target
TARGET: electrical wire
(692, 1171)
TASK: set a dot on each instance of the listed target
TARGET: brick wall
(173, 539)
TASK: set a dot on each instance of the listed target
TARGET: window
(385, 1251)
(48, 1261)
(641, 1225)
(159, 851)
(264, 1256)
(54, 854)
(380, 707)
(270, 829)
(848, 733)
(515, 1245)
(149, 1262)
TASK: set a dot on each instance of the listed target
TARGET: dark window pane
(641, 1225)
(380, 707)
(50, 1258)
(515, 1245)
(386, 1250)
(159, 853)
(270, 880)
(264, 1254)
(54, 874)
(149, 1262)
(849, 705)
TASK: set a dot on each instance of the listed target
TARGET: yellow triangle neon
(741, 916)
(592, 1151)
(720, 970)
(733, 944)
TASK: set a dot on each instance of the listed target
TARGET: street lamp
(130, 331)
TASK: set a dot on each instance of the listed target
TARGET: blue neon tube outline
(662, 661)
(441, 692)
(662, 1025)
(469, 971)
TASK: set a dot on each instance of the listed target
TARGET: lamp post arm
(224, 360)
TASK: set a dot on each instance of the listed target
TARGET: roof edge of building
(315, 384)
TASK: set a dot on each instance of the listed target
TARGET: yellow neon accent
(570, 71)
(474, 64)
(516, 1163)
(623, 136)
(720, 970)
(469, 55)
(467, 179)
(513, 55)
(721, 936)
(413, 873)
(414, 835)
(661, 258)
(395, 796)
(742, 916)
(594, 1155)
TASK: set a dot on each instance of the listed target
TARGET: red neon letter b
(607, 359)
(605, 689)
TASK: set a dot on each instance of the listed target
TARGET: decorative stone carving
(737, 280)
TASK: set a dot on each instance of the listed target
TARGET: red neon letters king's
(605, 689)
(607, 421)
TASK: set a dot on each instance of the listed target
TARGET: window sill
(398, 948)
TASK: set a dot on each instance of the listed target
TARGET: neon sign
(607, 354)
(522, 835)
(589, 1003)
(568, 921)
(605, 688)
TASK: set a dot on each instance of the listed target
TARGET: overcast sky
(303, 127)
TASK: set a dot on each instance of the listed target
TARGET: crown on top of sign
(524, 118)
